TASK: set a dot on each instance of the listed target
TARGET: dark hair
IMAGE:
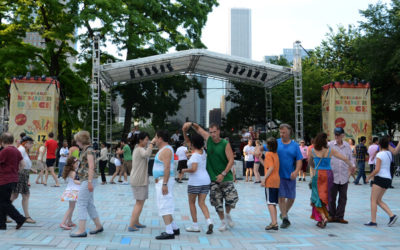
(138, 137)
(320, 141)
(7, 138)
(124, 140)
(214, 125)
(163, 134)
(197, 141)
(353, 141)
(384, 142)
(73, 143)
(51, 134)
(375, 139)
(22, 134)
(272, 145)
(363, 138)
(69, 166)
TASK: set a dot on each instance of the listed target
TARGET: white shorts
(117, 162)
(165, 203)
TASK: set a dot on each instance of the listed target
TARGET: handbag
(112, 160)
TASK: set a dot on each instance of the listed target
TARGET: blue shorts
(287, 189)
(271, 195)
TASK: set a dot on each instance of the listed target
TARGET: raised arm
(185, 128)
(396, 150)
(200, 130)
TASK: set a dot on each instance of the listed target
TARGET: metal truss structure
(191, 62)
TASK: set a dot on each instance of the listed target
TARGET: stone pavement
(115, 203)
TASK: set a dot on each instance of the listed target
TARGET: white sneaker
(125, 183)
(193, 229)
(223, 227)
(229, 220)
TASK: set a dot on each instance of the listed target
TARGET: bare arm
(185, 128)
(192, 169)
(376, 170)
(200, 131)
(72, 176)
(90, 159)
(231, 160)
(166, 157)
(21, 165)
(312, 165)
(396, 150)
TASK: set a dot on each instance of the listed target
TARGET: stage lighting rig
(228, 68)
(154, 68)
(249, 72)
(256, 74)
(169, 66)
(140, 72)
(132, 72)
(242, 71)
(147, 71)
(162, 68)
(235, 69)
(264, 76)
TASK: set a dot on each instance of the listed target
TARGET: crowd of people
(207, 160)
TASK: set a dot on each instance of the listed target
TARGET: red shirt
(51, 146)
(9, 165)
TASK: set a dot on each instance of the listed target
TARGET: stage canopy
(195, 62)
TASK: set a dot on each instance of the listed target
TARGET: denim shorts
(287, 189)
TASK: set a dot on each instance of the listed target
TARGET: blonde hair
(83, 137)
(258, 143)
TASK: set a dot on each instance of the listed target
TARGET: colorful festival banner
(347, 106)
(34, 110)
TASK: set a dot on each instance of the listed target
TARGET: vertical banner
(34, 109)
(347, 106)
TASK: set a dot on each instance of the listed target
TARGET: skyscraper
(192, 107)
(240, 31)
(240, 42)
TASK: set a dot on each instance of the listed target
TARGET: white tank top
(72, 185)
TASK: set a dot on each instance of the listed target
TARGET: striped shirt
(361, 152)
(158, 167)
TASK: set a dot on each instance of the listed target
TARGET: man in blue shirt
(290, 163)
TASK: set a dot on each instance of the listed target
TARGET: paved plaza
(115, 203)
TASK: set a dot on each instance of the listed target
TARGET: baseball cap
(26, 138)
(338, 131)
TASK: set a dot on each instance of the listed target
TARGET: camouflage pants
(219, 192)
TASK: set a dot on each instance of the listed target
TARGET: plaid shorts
(223, 191)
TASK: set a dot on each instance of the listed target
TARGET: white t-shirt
(386, 158)
(181, 153)
(25, 156)
(200, 177)
(42, 155)
(249, 149)
(246, 136)
(63, 151)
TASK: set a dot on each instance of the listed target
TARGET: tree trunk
(128, 118)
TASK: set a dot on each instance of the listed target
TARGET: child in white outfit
(71, 192)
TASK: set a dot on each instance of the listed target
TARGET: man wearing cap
(341, 174)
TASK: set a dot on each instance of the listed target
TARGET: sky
(276, 24)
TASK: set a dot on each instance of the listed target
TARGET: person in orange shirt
(272, 181)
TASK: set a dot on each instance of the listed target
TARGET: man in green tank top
(219, 163)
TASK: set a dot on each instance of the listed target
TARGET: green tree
(379, 53)
(144, 28)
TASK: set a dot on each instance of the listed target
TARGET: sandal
(321, 224)
(30, 220)
(112, 182)
(65, 227)
(55, 186)
(71, 224)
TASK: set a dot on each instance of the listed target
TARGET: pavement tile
(115, 202)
